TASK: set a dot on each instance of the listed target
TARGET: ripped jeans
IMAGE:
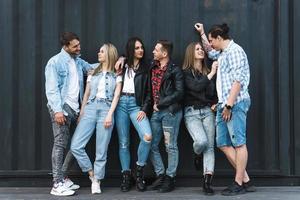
(164, 123)
(127, 111)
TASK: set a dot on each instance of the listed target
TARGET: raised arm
(212, 54)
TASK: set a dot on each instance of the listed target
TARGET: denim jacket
(57, 79)
(110, 85)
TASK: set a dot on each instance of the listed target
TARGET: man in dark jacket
(167, 86)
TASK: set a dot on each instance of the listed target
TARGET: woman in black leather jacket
(200, 96)
(133, 107)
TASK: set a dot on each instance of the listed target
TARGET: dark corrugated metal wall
(267, 30)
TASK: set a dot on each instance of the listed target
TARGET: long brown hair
(189, 59)
(111, 58)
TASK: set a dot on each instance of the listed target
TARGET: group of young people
(153, 96)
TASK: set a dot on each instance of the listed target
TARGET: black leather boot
(198, 161)
(207, 190)
(168, 185)
(158, 182)
(126, 181)
(140, 182)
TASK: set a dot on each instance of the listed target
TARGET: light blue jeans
(201, 125)
(127, 111)
(164, 123)
(94, 115)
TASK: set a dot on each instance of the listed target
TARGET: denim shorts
(233, 132)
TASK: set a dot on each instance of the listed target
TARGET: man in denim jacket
(64, 91)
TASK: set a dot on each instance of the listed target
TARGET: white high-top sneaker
(59, 189)
(95, 187)
(70, 184)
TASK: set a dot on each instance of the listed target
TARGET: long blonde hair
(189, 59)
(111, 58)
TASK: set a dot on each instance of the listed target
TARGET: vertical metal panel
(284, 86)
(6, 73)
(296, 84)
(31, 29)
(26, 84)
(50, 28)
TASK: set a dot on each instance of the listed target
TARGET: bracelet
(202, 34)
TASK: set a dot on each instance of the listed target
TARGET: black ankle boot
(198, 161)
(126, 181)
(158, 182)
(140, 182)
(207, 190)
(168, 185)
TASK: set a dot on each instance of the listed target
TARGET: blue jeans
(127, 111)
(61, 134)
(164, 123)
(233, 132)
(201, 125)
(93, 117)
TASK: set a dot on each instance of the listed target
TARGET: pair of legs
(61, 133)
(231, 139)
(127, 111)
(93, 118)
(238, 156)
(165, 124)
(200, 124)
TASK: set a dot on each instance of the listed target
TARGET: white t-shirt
(219, 84)
(101, 84)
(73, 89)
(128, 82)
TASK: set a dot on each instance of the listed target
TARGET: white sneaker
(59, 189)
(70, 184)
(95, 187)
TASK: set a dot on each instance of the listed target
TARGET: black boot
(207, 190)
(126, 181)
(158, 182)
(198, 161)
(140, 182)
(168, 185)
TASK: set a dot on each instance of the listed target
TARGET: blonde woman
(200, 97)
(98, 106)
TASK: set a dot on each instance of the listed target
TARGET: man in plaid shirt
(233, 78)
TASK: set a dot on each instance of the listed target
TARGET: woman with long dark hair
(133, 107)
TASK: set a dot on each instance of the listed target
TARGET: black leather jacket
(142, 92)
(171, 89)
(199, 90)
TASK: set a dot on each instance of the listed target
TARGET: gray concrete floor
(184, 193)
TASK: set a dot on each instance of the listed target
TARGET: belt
(101, 100)
(127, 94)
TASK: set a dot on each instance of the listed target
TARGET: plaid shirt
(233, 66)
(157, 75)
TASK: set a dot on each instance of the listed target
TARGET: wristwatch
(228, 107)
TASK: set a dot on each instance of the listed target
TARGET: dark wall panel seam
(14, 84)
(38, 83)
